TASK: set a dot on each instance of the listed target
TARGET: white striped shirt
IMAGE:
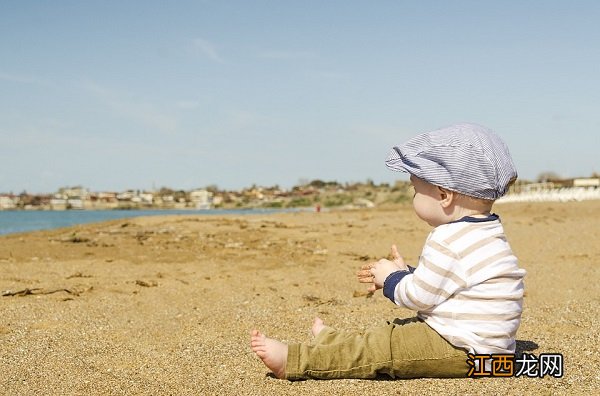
(467, 287)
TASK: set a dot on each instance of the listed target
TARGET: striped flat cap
(467, 158)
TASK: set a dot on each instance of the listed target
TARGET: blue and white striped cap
(467, 158)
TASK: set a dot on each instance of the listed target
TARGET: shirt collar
(470, 219)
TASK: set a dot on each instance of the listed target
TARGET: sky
(116, 95)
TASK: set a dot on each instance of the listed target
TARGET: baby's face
(426, 202)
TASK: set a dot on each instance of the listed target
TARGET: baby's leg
(341, 354)
(317, 326)
(273, 353)
(419, 351)
(405, 350)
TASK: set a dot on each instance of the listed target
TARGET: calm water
(24, 220)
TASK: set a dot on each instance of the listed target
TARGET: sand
(164, 305)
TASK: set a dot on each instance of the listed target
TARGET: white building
(75, 203)
(58, 202)
(7, 202)
(587, 182)
(126, 195)
(146, 198)
(75, 192)
(201, 199)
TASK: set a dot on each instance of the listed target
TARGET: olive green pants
(406, 348)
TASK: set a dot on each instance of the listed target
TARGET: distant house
(201, 199)
(75, 192)
(107, 197)
(541, 186)
(71, 198)
(101, 200)
(76, 203)
(8, 202)
(566, 183)
(58, 202)
(146, 198)
(126, 195)
(586, 182)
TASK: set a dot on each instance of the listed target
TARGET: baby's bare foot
(317, 326)
(272, 352)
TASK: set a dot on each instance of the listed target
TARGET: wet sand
(164, 305)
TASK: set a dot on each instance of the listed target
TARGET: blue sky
(114, 95)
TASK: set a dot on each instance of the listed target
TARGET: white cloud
(207, 49)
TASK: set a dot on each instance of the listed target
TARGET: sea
(16, 221)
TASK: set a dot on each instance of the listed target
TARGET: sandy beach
(165, 305)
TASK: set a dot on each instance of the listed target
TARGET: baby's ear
(443, 192)
(446, 197)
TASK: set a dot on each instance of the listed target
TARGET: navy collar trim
(469, 219)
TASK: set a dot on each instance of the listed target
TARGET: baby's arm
(438, 277)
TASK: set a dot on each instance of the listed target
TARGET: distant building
(201, 199)
(108, 197)
(75, 192)
(125, 196)
(70, 198)
(541, 186)
(58, 202)
(76, 203)
(146, 198)
(8, 202)
(586, 182)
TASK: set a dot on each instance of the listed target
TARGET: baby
(467, 288)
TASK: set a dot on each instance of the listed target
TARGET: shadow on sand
(525, 346)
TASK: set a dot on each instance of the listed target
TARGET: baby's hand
(376, 273)
(398, 260)
(381, 270)
(365, 276)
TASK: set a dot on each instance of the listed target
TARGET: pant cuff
(292, 366)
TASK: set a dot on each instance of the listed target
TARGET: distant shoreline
(19, 221)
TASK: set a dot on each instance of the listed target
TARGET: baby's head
(466, 162)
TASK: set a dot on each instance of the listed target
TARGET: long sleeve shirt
(467, 286)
